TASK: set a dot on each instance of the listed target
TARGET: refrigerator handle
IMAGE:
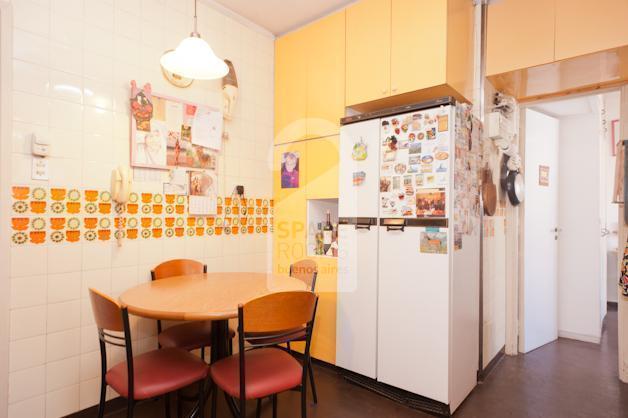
(363, 226)
(395, 228)
(394, 224)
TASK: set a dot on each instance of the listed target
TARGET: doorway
(569, 221)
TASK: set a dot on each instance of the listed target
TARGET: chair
(188, 335)
(149, 375)
(261, 369)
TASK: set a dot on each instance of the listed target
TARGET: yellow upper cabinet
(418, 45)
(368, 51)
(322, 168)
(325, 75)
(520, 34)
(290, 87)
(585, 26)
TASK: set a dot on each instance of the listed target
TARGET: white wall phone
(121, 183)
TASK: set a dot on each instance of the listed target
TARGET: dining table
(205, 296)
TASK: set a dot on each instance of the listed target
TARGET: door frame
(515, 234)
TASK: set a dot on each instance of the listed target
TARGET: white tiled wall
(72, 64)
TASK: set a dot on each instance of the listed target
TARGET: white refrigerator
(408, 288)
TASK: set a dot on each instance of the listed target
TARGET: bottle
(334, 239)
(318, 249)
(327, 233)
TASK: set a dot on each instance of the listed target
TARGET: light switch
(40, 169)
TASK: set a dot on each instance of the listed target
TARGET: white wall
(611, 102)
(580, 258)
(100, 45)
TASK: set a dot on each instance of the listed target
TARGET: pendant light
(194, 58)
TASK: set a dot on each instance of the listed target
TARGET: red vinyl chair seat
(268, 371)
(189, 335)
(158, 372)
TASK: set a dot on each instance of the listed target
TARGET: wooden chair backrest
(179, 267)
(107, 312)
(305, 270)
(278, 312)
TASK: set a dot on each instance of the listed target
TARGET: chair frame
(281, 335)
(106, 338)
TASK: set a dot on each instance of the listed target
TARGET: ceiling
(569, 107)
(281, 16)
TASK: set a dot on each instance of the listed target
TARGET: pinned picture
(201, 183)
(430, 203)
(544, 175)
(203, 193)
(290, 170)
(384, 184)
(433, 241)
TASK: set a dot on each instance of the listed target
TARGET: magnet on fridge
(358, 178)
(360, 150)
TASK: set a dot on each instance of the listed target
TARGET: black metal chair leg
(275, 405)
(203, 353)
(129, 408)
(214, 400)
(179, 405)
(103, 393)
(201, 399)
(242, 411)
(167, 404)
(258, 413)
(311, 372)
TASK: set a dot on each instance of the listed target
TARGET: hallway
(564, 379)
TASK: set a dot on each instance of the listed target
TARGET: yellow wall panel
(418, 45)
(290, 87)
(325, 75)
(322, 168)
(520, 34)
(584, 26)
(368, 51)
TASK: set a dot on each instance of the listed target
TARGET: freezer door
(356, 320)
(413, 314)
(359, 169)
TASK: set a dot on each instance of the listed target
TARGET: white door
(539, 312)
(356, 313)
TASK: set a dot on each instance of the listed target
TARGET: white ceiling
(281, 16)
(569, 107)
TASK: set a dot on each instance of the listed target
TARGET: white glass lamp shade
(195, 59)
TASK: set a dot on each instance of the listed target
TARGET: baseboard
(483, 374)
(111, 406)
(579, 337)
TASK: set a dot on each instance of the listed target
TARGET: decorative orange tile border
(55, 215)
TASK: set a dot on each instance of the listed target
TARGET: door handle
(363, 226)
(395, 228)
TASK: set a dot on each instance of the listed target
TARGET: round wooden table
(209, 296)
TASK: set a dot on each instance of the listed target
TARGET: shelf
(316, 210)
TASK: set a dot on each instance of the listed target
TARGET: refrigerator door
(359, 169)
(414, 168)
(356, 313)
(413, 312)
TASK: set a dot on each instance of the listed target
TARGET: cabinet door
(584, 26)
(368, 51)
(290, 87)
(289, 232)
(418, 45)
(520, 34)
(322, 168)
(325, 75)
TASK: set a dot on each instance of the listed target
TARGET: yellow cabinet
(584, 26)
(322, 168)
(290, 87)
(368, 51)
(325, 75)
(418, 45)
(520, 34)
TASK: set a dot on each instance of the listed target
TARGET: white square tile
(67, 144)
(89, 393)
(98, 94)
(29, 108)
(66, 86)
(22, 134)
(64, 258)
(90, 366)
(28, 322)
(125, 51)
(27, 383)
(27, 353)
(151, 252)
(66, 115)
(87, 314)
(62, 373)
(30, 47)
(96, 255)
(97, 67)
(125, 255)
(89, 339)
(97, 279)
(31, 17)
(64, 344)
(66, 172)
(62, 402)
(126, 24)
(28, 291)
(63, 316)
(123, 278)
(66, 58)
(31, 408)
(30, 78)
(99, 13)
(64, 287)
(131, 6)
(67, 31)
(98, 41)
(98, 148)
(98, 121)
(70, 8)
